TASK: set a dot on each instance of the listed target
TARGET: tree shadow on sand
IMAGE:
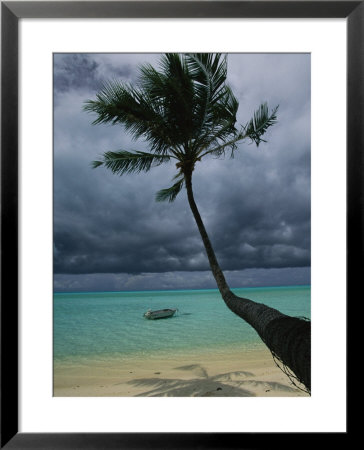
(230, 384)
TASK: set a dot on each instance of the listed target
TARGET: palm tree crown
(185, 111)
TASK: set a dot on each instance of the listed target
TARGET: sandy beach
(237, 374)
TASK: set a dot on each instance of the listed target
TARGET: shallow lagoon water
(106, 325)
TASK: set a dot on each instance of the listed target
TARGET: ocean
(109, 325)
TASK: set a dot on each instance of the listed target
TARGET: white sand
(238, 374)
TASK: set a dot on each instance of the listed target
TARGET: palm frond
(95, 164)
(171, 193)
(122, 162)
(221, 126)
(177, 97)
(209, 74)
(259, 123)
(136, 109)
(208, 69)
(227, 145)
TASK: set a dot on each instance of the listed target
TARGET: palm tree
(187, 112)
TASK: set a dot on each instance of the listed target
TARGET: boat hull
(160, 314)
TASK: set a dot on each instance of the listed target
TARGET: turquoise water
(111, 324)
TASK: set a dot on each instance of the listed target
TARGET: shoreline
(238, 373)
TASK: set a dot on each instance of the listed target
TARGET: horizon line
(174, 290)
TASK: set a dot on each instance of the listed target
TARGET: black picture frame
(11, 12)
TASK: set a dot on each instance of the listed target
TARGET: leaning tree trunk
(288, 338)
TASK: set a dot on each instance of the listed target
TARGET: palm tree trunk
(288, 338)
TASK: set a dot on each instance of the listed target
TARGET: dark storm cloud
(85, 71)
(256, 207)
(74, 71)
(179, 280)
(263, 220)
(88, 71)
(114, 232)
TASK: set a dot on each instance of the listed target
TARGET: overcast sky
(111, 235)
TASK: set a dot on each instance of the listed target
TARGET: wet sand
(235, 374)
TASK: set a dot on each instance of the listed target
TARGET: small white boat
(160, 313)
